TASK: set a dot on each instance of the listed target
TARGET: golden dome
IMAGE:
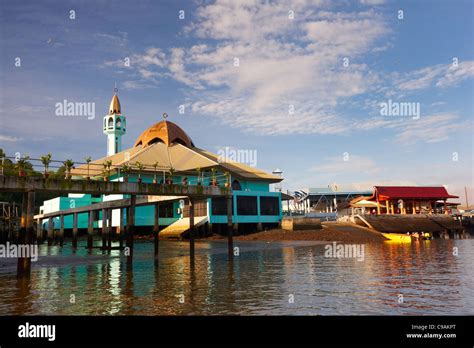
(166, 132)
(114, 107)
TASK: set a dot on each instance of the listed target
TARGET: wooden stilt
(131, 227)
(39, 231)
(110, 229)
(50, 231)
(191, 229)
(20, 235)
(74, 230)
(104, 229)
(230, 242)
(122, 227)
(61, 230)
(387, 210)
(90, 230)
(24, 263)
(156, 229)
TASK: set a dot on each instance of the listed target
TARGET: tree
(88, 162)
(139, 166)
(155, 166)
(126, 169)
(107, 165)
(46, 160)
(21, 164)
(68, 165)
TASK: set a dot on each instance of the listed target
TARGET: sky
(303, 85)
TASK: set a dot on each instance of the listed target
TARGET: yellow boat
(398, 237)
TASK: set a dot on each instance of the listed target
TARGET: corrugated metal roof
(413, 192)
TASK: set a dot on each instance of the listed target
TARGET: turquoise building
(165, 153)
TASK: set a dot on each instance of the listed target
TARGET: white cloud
(372, 2)
(441, 75)
(288, 64)
(430, 129)
(8, 138)
(352, 164)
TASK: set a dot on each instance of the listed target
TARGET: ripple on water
(267, 278)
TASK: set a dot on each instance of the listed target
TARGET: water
(262, 280)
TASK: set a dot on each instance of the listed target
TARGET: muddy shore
(331, 231)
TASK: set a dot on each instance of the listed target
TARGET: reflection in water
(429, 276)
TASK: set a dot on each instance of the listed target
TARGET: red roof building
(410, 199)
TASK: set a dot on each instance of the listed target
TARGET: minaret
(114, 126)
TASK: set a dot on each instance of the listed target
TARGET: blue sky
(333, 63)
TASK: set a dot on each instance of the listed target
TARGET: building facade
(165, 154)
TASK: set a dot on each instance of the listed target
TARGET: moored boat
(398, 237)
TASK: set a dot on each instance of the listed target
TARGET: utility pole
(467, 201)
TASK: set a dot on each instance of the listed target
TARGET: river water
(278, 278)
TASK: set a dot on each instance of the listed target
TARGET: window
(118, 123)
(269, 206)
(111, 122)
(219, 206)
(236, 185)
(166, 210)
(246, 205)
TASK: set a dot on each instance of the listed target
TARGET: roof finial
(165, 116)
(115, 88)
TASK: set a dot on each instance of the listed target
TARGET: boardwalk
(140, 194)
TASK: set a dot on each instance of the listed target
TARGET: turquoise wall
(144, 215)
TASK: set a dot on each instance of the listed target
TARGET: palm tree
(139, 166)
(21, 164)
(46, 160)
(88, 161)
(68, 164)
(198, 175)
(155, 166)
(213, 177)
(227, 181)
(126, 171)
(107, 165)
(170, 179)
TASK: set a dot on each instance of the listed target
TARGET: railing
(21, 165)
(26, 184)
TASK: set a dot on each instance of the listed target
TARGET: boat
(398, 237)
(407, 238)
